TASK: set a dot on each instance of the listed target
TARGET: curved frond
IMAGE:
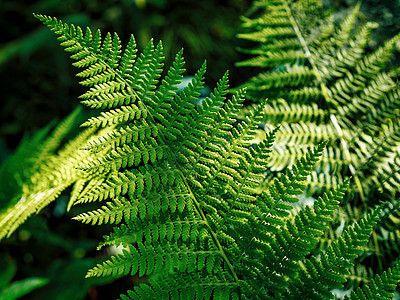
(46, 170)
(185, 183)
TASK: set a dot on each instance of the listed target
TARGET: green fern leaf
(45, 172)
(185, 184)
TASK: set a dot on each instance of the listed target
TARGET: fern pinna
(182, 185)
(39, 171)
(322, 81)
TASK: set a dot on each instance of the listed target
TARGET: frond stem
(325, 93)
(196, 203)
(213, 235)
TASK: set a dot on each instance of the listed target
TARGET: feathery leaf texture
(39, 171)
(381, 287)
(326, 86)
(183, 185)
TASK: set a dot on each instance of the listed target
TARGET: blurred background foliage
(37, 79)
(38, 85)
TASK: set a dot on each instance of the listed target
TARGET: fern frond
(122, 135)
(286, 248)
(321, 275)
(125, 114)
(356, 94)
(130, 183)
(381, 287)
(127, 156)
(283, 112)
(12, 217)
(332, 73)
(184, 181)
(113, 213)
(178, 229)
(50, 171)
(179, 286)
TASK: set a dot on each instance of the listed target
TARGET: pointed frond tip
(193, 196)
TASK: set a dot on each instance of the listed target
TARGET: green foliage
(38, 172)
(323, 82)
(37, 81)
(16, 289)
(185, 188)
(202, 201)
(380, 287)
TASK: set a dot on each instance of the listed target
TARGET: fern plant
(322, 83)
(183, 185)
(39, 171)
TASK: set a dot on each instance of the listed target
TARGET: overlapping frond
(381, 287)
(184, 182)
(319, 276)
(347, 94)
(329, 85)
(42, 170)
